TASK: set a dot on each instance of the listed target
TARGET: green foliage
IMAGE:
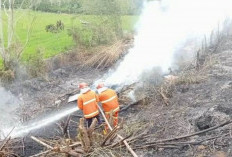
(55, 43)
(105, 29)
(69, 6)
(36, 65)
(52, 43)
(55, 28)
(23, 4)
(131, 7)
(86, 37)
(82, 36)
(109, 7)
(99, 32)
(104, 25)
(51, 28)
(128, 7)
(92, 33)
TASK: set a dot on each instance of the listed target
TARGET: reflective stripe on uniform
(115, 110)
(109, 99)
(87, 102)
(91, 114)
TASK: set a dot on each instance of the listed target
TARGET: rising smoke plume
(163, 29)
(8, 105)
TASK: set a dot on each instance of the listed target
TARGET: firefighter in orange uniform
(87, 102)
(110, 104)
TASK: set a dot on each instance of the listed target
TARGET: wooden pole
(41, 142)
(125, 142)
(50, 147)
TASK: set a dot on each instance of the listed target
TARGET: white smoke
(163, 28)
(8, 105)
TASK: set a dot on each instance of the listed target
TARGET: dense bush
(102, 32)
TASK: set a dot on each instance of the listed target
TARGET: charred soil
(196, 100)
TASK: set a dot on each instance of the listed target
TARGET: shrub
(36, 65)
(55, 28)
(94, 34)
(7, 76)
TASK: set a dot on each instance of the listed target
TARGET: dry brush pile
(89, 142)
(105, 57)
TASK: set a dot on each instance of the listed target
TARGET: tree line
(128, 7)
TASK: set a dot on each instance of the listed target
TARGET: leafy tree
(59, 6)
(10, 47)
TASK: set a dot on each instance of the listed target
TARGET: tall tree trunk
(2, 47)
(10, 23)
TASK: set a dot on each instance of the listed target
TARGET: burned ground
(197, 100)
(40, 94)
(195, 104)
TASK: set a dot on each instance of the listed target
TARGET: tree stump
(86, 134)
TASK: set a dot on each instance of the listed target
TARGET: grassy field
(52, 43)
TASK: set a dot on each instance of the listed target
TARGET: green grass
(52, 43)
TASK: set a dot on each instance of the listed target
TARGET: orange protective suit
(88, 103)
(110, 104)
